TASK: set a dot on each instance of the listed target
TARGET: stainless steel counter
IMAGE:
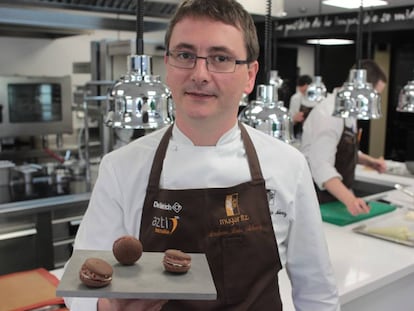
(39, 232)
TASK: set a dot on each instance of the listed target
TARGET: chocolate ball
(127, 250)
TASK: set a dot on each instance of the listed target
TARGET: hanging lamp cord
(268, 39)
(318, 46)
(359, 36)
(140, 27)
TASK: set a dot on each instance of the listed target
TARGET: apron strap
(155, 174)
(253, 161)
(254, 165)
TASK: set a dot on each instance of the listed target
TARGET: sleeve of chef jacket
(294, 104)
(321, 135)
(102, 222)
(307, 260)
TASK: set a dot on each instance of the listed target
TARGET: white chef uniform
(321, 135)
(116, 203)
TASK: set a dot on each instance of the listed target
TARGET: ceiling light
(406, 98)
(353, 4)
(268, 115)
(316, 91)
(330, 41)
(357, 98)
(139, 100)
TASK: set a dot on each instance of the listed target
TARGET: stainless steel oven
(32, 106)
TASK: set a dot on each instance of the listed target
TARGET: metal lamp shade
(268, 115)
(274, 79)
(316, 91)
(140, 100)
(406, 98)
(357, 98)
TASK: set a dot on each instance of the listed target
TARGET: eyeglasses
(215, 63)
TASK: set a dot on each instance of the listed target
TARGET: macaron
(127, 250)
(176, 261)
(96, 272)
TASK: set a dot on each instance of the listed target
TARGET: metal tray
(396, 219)
(146, 279)
(362, 230)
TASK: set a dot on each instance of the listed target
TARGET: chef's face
(200, 94)
(380, 86)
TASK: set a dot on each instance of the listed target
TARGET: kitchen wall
(55, 57)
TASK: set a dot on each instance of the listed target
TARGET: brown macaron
(127, 250)
(176, 261)
(96, 272)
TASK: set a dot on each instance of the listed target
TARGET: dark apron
(232, 226)
(345, 162)
(298, 127)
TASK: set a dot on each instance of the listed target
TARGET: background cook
(330, 145)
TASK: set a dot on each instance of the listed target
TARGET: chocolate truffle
(127, 250)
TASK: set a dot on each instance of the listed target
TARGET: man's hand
(298, 117)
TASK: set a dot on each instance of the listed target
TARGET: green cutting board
(337, 214)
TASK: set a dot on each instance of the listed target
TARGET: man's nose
(200, 71)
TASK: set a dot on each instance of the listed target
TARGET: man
(299, 105)
(330, 145)
(206, 162)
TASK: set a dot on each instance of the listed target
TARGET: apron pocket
(235, 269)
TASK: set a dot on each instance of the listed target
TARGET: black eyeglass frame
(236, 62)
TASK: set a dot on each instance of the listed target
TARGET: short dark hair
(229, 12)
(374, 71)
(303, 80)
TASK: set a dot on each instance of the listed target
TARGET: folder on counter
(27, 290)
(337, 214)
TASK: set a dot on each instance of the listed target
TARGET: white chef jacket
(117, 199)
(297, 100)
(320, 138)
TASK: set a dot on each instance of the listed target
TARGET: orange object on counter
(26, 290)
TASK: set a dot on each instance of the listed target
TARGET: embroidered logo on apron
(176, 207)
(165, 225)
(232, 204)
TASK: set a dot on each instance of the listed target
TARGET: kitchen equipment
(337, 214)
(28, 171)
(364, 229)
(398, 227)
(35, 105)
(5, 167)
(404, 190)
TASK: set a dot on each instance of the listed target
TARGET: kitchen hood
(59, 18)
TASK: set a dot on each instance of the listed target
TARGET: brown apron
(298, 127)
(232, 226)
(345, 162)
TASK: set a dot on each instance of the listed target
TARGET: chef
(299, 105)
(212, 185)
(330, 145)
